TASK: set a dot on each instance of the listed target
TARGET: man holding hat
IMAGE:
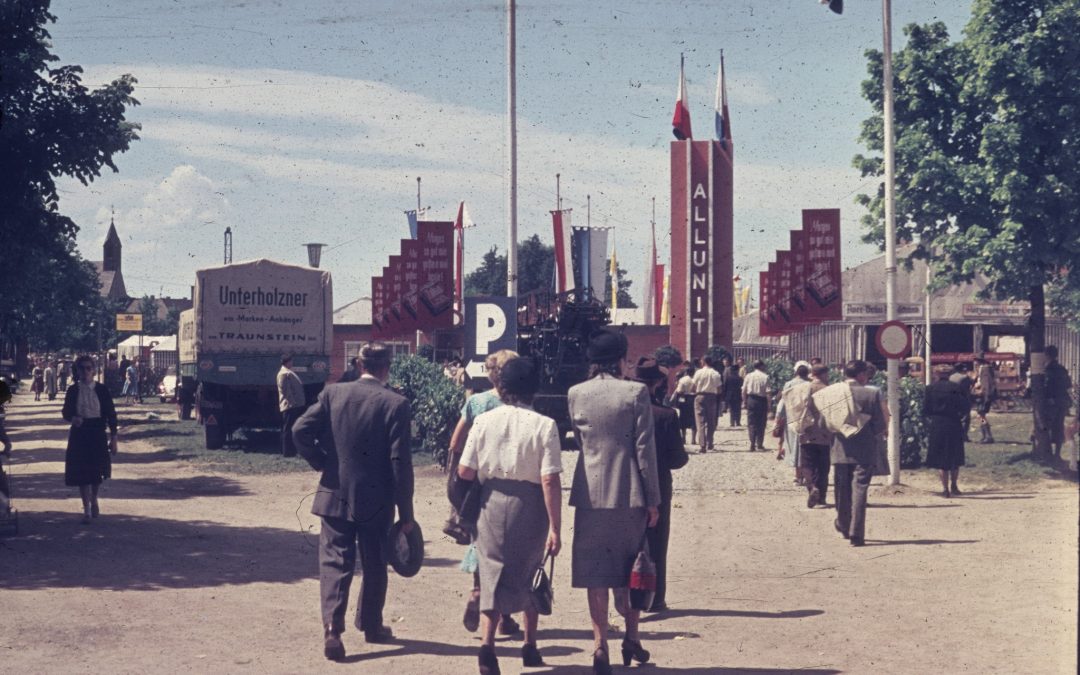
(357, 435)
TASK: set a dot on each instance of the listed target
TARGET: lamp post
(511, 113)
(314, 254)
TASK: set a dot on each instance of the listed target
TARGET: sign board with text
(490, 325)
(129, 322)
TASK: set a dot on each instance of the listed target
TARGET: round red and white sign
(893, 339)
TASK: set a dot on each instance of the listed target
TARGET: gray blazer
(613, 423)
(357, 434)
(861, 448)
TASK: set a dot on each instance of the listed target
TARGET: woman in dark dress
(89, 407)
(945, 405)
(733, 394)
(670, 455)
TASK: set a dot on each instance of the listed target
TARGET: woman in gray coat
(616, 489)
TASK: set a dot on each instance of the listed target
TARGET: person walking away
(733, 382)
(62, 372)
(707, 385)
(50, 381)
(131, 381)
(789, 436)
(815, 441)
(616, 489)
(670, 455)
(684, 400)
(516, 455)
(861, 425)
(462, 531)
(1058, 385)
(961, 377)
(363, 453)
(721, 402)
(89, 407)
(291, 402)
(985, 391)
(945, 404)
(755, 397)
(37, 381)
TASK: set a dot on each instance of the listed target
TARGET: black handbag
(464, 496)
(642, 582)
(543, 594)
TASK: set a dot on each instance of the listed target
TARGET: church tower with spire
(111, 262)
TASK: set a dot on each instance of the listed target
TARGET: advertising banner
(821, 241)
(435, 283)
(783, 290)
(799, 295)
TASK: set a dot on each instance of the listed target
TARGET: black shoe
(600, 663)
(632, 650)
(489, 664)
(380, 635)
(530, 655)
(857, 541)
(657, 607)
(507, 625)
(333, 649)
(813, 499)
(836, 524)
(955, 490)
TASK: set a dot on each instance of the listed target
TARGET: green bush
(436, 402)
(913, 429)
(779, 370)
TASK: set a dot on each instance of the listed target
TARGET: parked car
(167, 387)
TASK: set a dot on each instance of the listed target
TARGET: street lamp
(314, 253)
(835, 5)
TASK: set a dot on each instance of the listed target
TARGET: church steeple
(111, 261)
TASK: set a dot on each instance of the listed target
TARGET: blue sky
(309, 121)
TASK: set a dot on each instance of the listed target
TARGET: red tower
(701, 246)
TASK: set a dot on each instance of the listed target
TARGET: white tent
(129, 348)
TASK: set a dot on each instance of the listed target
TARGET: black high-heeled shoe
(489, 663)
(632, 650)
(600, 663)
(530, 655)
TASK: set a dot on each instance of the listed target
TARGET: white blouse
(515, 443)
(88, 406)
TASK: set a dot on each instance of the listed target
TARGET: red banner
(783, 291)
(821, 242)
(798, 281)
(765, 291)
(415, 291)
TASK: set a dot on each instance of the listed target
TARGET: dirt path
(194, 572)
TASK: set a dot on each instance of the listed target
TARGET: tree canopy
(987, 149)
(52, 126)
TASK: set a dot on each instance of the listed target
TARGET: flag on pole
(680, 121)
(746, 299)
(723, 119)
(649, 302)
(463, 221)
(660, 292)
(412, 216)
(665, 306)
(564, 259)
(614, 273)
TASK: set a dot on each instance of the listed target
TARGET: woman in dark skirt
(945, 405)
(89, 407)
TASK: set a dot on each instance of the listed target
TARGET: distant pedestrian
(707, 385)
(88, 405)
(358, 437)
(291, 403)
(5, 398)
(733, 381)
(945, 404)
(131, 382)
(1058, 402)
(985, 392)
(63, 371)
(815, 441)
(684, 401)
(960, 375)
(50, 381)
(352, 373)
(755, 397)
(789, 435)
(670, 455)
(854, 413)
(37, 380)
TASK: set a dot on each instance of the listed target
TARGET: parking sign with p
(490, 325)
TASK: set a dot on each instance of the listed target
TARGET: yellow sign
(129, 322)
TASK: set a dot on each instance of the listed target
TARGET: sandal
(471, 620)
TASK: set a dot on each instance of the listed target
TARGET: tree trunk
(1037, 347)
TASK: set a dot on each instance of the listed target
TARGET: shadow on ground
(51, 486)
(122, 552)
(675, 613)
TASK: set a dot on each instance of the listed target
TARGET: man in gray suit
(853, 456)
(357, 434)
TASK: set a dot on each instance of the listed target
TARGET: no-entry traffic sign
(893, 339)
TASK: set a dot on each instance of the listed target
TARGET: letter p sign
(490, 325)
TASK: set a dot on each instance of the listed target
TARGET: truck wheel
(215, 437)
(185, 411)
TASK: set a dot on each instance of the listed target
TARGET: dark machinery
(553, 330)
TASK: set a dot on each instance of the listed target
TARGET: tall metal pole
(511, 111)
(558, 194)
(928, 377)
(418, 196)
(893, 370)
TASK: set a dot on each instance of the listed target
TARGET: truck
(245, 317)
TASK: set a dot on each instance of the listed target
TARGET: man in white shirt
(755, 396)
(291, 402)
(707, 385)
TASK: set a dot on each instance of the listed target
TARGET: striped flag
(723, 119)
(412, 216)
(564, 259)
(463, 221)
(614, 274)
(649, 287)
(680, 121)
(665, 306)
(660, 294)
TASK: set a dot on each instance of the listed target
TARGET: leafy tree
(668, 356)
(52, 126)
(152, 325)
(625, 299)
(988, 156)
(436, 402)
(536, 269)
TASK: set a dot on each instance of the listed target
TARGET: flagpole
(893, 365)
(511, 111)
(418, 196)
(558, 194)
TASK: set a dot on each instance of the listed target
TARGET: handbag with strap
(464, 496)
(543, 595)
(642, 582)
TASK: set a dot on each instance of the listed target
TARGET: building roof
(112, 283)
(162, 305)
(356, 313)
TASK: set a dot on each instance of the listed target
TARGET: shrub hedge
(436, 402)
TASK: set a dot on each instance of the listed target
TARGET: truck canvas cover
(263, 307)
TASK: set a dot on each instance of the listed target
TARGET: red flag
(680, 121)
(463, 221)
(564, 260)
(658, 293)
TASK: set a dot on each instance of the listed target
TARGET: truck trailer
(246, 316)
